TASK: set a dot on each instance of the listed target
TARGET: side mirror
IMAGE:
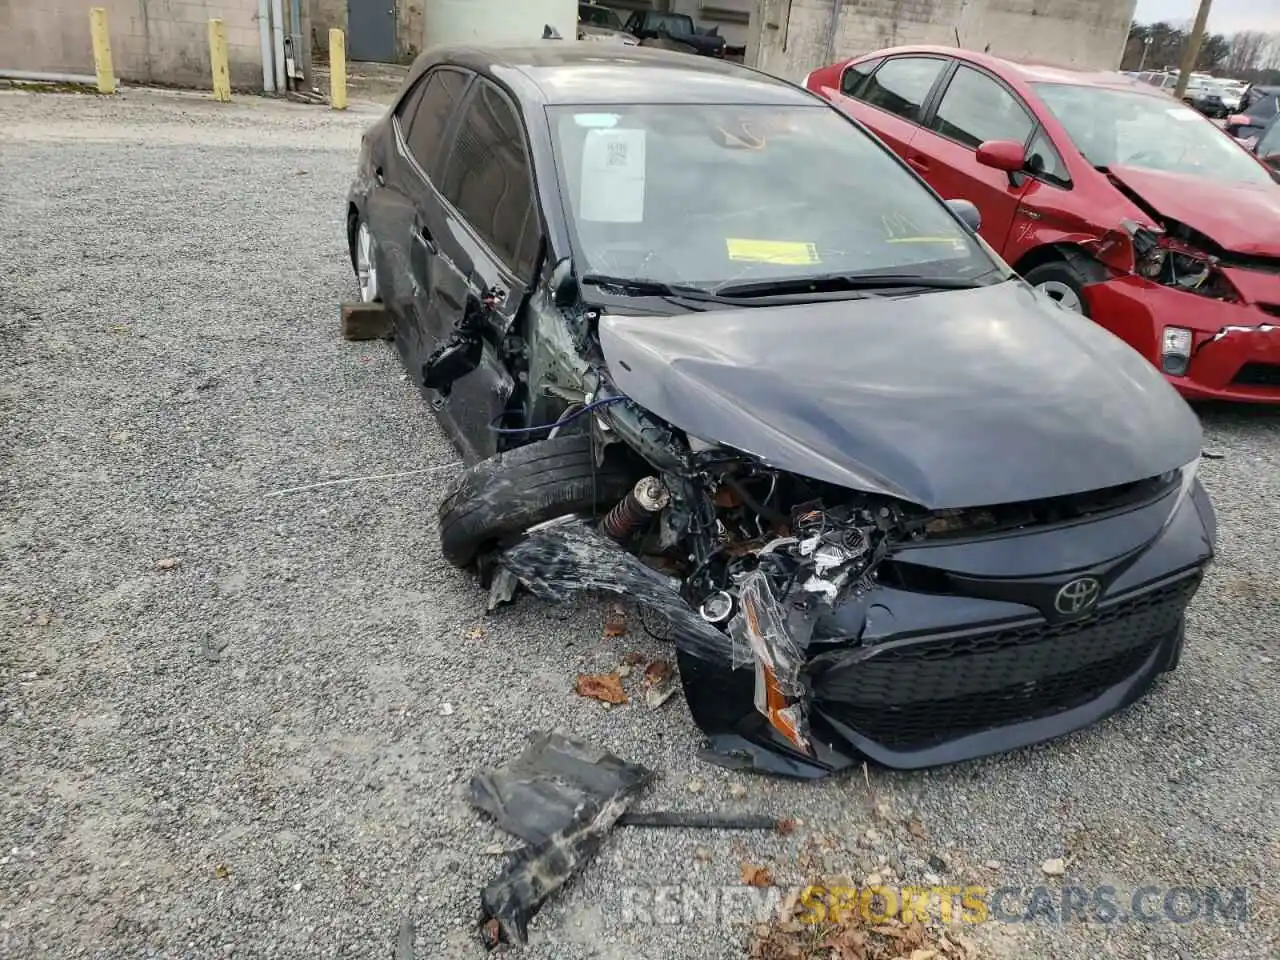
(1003, 155)
(564, 287)
(967, 212)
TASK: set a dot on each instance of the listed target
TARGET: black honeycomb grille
(935, 689)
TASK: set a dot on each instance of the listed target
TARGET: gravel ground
(249, 753)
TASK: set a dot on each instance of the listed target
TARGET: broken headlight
(1173, 262)
(1187, 475)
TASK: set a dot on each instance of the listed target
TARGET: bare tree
(1270, 59)
(1245, 52)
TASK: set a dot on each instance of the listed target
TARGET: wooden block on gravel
(366, 321)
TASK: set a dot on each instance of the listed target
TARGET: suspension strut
(646, 499)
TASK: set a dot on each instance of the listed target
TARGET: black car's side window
(975, 109)
(489, 180)
(902, 85)
(854, 79)
(426, 116)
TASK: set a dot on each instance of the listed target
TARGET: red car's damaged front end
(1195, 285)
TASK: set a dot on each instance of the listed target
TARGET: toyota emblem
(1078, 596)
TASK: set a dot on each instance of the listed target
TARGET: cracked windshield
(708, 195)
(1118, 128)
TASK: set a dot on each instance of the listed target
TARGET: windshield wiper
(835, 282)
(643, 287)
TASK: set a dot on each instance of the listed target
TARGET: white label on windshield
(596, 119)
(613, 176)
(1179, 114)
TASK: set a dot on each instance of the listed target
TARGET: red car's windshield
(1121, 128)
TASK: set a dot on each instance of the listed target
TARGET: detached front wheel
(497, 499)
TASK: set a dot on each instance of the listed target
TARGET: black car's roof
(574, 72)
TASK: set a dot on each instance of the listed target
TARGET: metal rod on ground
(35, 76)
(1191, 50)
(218, 61)
(106, 75)
(704, 821)
(337, 69)
(264, 41)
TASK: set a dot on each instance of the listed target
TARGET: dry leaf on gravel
(657, 673)
(754, 875)
(606, 687)
(633, 658)
(475, 633)
(852, 939)
(787, 827)
(615, 622)
(916, 829)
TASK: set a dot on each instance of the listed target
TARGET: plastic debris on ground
(561, 796)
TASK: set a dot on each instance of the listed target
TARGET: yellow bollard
(218, 59)
(337, 69)
(102, 50)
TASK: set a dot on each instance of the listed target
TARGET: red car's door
(975, 108)
(890, 99)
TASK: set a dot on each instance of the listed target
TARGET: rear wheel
(1061, 283)
(497, 499)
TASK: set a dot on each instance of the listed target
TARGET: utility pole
(306, 54)
(1192, 49)
(1146, 48)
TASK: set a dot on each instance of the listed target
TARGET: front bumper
(1236, 348)
(938, 679)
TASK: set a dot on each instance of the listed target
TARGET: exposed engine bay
(740, 561)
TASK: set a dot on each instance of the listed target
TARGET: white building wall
(791, 37)
(496, 21)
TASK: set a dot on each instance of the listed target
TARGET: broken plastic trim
(561, 796)
(567, 555)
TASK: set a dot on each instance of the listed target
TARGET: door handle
(379, 176)
(423, 236)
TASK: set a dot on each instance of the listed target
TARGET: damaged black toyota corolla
(706, 343)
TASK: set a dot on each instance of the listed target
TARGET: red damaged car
(1104, 193)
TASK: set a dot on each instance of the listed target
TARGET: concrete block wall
(326, 14)
(792, 37)
(152, 41)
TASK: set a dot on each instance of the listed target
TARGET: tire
(499, 498)
(364, 259)
(1062, 282)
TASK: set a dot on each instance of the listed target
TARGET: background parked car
(1267, 147)
(679, 27)
(1100, 191)
(1205, 96)
(603, 24)
(1258, 107)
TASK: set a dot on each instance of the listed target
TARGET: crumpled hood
(1239, 217)
(947, 399)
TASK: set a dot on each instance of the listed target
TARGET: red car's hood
(1240, 217)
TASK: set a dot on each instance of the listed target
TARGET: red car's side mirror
(1002, 155)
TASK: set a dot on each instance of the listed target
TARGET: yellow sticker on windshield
(773, 251)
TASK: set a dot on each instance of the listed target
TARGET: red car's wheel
(1062, 283)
